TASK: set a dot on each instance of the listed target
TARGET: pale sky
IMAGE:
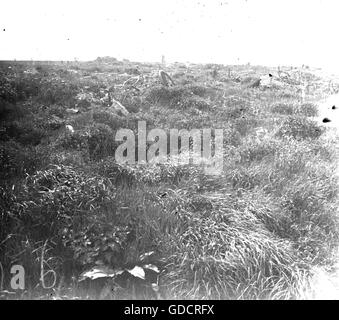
(268, 32)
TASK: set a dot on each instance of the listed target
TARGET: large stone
(54, 122)
(69, 128)
(255, 83)
(117, 107)
(165, 78)
(72, 111)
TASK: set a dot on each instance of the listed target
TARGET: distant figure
(165, 78)
(325, 120)
(333, 107)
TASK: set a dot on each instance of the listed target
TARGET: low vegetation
(98, 229)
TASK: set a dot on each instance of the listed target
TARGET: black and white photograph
(169, 150)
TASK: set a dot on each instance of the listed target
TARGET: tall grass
(252, 232)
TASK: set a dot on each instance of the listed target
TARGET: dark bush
(101, 141)
(283, 108)
(166, 96)
(300, 128)
(114, 121)
(10, 111)
(308, 110)
(57, 92)
(24, 132)
(195, 103)
(18, 160)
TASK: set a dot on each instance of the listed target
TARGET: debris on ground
(165, 78)
(118, 107)
(72, 110)
(69, 128)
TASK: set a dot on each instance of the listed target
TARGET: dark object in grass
(334, 107)
(255, 84)
(325, 120)
(165, 78)
(270, 75)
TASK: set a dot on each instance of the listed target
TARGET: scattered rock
(31, 71)
(72, 111)
(325, 120)
(165, 78)
(255, 84)
(105, 99)
(118, 107)
(69, 128)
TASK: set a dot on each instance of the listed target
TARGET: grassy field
(70, 213)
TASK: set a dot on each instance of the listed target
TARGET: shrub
(305, 109)
(114, 121)
(57, 92)
(233, 111)
(257, 150)
(101, 141)
(57, 110)
(299, 128)
(82, 120)
(76, 141)
(198, 90)
(7, 91)
(245, 124)
(249, 79)
(308, 110)
(194, 103)
(16, 88)
(18, 160)
(10, 111)
(180, 96)
(166, 96)
(283, 108)
(24, 132)
(133, 103)
(65, 207)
